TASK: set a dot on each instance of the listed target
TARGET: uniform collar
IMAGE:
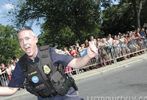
(36, 59)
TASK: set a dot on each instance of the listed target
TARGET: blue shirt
(142, 34)
(83, 52)
(56, 57)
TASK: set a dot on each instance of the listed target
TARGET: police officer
(38, 70)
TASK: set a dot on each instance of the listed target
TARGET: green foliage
(75, 16)
(117, 18)
(67, 21)
(65, 37)
(9, 46)
(124, 16)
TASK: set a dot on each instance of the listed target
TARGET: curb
(101, 70)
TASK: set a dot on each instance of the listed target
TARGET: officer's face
(27, 41)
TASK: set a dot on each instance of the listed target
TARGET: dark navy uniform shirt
(56, 57)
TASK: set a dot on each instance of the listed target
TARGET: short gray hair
(26, 28)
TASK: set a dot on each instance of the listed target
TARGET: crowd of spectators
(111, 48)
(6, 71)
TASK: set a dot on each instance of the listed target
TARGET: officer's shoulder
(58, 51)
(22, 59)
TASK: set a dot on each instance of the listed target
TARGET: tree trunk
(138, 13)
(135, 11)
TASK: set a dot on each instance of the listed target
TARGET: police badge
(46, 69)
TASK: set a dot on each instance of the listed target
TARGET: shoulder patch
(58, 51)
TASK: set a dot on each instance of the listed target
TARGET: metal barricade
(114, 58)
(3, 79)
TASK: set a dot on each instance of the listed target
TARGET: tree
(117, 18)
(137, 6)
(9, 46)
(144, 14)
(127, 15)
(79, 16)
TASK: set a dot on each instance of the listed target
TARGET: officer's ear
(36, 39)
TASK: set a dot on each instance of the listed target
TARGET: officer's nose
(24, 42)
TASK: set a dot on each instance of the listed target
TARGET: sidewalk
(91, 73)
(114, 66)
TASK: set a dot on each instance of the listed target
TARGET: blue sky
(5, 7)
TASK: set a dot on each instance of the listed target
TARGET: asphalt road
(125, 83)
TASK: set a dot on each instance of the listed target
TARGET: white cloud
(5, 8)
(8, 6)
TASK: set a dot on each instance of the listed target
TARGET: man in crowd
(40, 72)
